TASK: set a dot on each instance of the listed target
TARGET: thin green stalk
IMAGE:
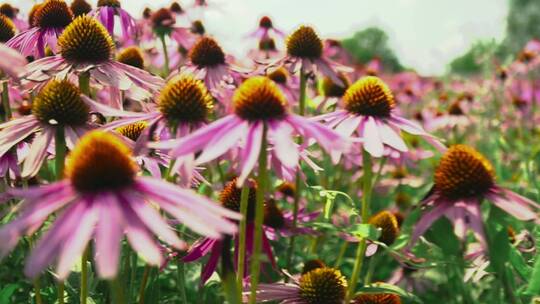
(259, 216)
(244, 195)
(166, 55)
(181, 280)
(61, 293)
(37, 290)
(341, 253)
(298, 180)
(84, 275)
(132, 275)
(227, 273)
(372, 262)
(5, 101)
(60, 149)
(144, 281)
(367, 187)
(84, 83)
(117, 291)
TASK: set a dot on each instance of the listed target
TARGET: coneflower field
(145, 160)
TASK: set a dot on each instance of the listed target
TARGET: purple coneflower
(102, 197)
(59, 105)
(163, 24)
(369, 106)
(305, 52)
(376, 298)
(257, 104)
(331, 93)
(208, 62)
(317, 284)
(230, 199)
(266, 29)
(49, 20)
(463, 178)
(86, 47)
(11, 12)
(107, 10)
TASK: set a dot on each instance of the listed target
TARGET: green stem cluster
(259, 217)
(367, 187)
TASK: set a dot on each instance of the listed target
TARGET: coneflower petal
(109, 233)
(251, 151)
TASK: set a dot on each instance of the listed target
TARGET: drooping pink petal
(519, 207)
(199, 249)
(390, 137)
(141, 240)
(373, 143)
(222, 141)
(475, 221)
(38, 152)
(285, 148)
(251, 151)
(211, 265)
(427, 219)
(76, 241)
(108, 237)
(151, 218)
(49, 246)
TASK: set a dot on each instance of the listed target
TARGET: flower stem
(165, 55)
(37, 289)
(117, 291)
(60, 149)
(60, 292)
(181, 280)
(259, 217)
(84, 83)
(367, 187)
(227, 273)
(5, 101)
(143, 283)
(244, 195)
(298, 180)
(84, 276)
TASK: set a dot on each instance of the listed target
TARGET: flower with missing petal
(101, 198)
(463, 178)
(85, 46)
(257, 104)
(49, 21)
(369, 112)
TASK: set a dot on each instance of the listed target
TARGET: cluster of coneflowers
(146, 128)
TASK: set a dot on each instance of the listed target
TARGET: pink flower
(462, 180)
(102, 198)
(319, 284)
(106, 12)
(50, 19)
(305, 51)
(86, 47)
(266, 29)
(58, 105)
(257, 104)
(369, 111)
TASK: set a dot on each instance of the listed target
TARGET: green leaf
(7, 292)
(365, 231)
(519, 264)
(534, 283)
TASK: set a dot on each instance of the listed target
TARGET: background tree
(372, 43)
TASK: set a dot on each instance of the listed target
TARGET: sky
(425, 34)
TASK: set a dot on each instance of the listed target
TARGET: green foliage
(521, 25)
(372, 43)
(475, 59)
